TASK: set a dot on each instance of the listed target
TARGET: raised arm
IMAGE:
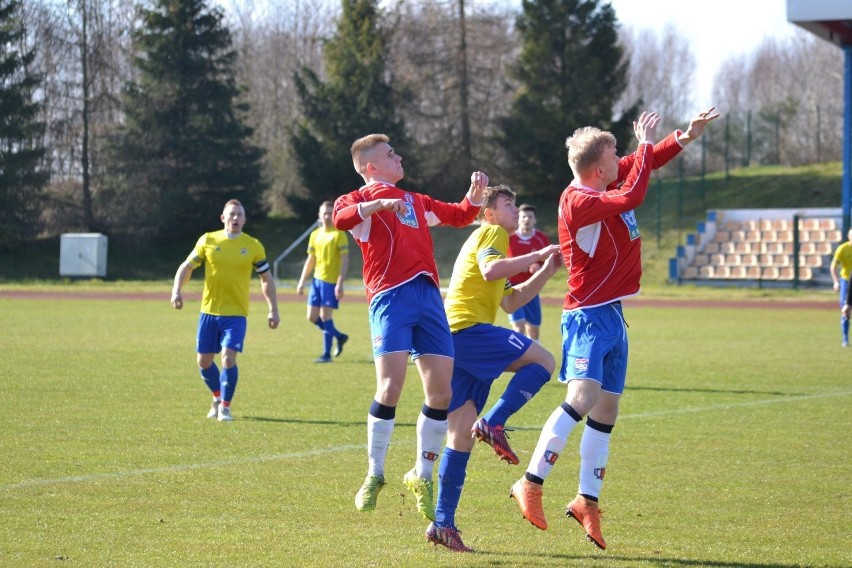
(506, 267)
(696, 126)
(523, 293)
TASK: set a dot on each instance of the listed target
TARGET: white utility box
(83, 254)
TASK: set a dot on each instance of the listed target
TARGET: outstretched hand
(646, 127)
(697, 124)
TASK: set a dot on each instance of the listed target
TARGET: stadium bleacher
(759, 247)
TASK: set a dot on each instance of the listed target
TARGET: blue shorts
(410, 318)
(482, 354)
(529, 312)
(844, 288)
(594, 346)
(322, 294)
(216, 332)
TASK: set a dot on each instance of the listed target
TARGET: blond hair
(586, 146)
(364, 144)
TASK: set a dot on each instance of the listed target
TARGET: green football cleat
(422, 489)
(365, 499)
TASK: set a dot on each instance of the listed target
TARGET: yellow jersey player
(328, 260)
(483, 351)
(842, 260)
(230, 257)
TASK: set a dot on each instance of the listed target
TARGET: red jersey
(520, 245)
(598, 232)
(397, 247)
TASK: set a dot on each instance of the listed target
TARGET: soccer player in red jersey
(406, 311)
(527, 239)
(600, 244)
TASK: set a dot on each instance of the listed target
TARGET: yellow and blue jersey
(227, 271)
(470, 298)
(328, 246)
(843, 259)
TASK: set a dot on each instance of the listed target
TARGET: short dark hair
(526, 207)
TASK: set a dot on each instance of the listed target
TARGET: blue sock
(229, 382)
(334, 331)
(211, 377)
(318, 323)
(527, 381)
(451, 473)
(844, 328)
(327, 337)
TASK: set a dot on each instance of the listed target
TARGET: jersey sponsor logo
(629, 218)
(516, 342)
(409, 217)
(581, 366)
(550, 457)
(600, 472)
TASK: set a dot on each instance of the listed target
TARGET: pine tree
(185, 147)
(22, 177)
(570, 75)
(356, 99)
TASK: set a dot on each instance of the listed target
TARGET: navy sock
(451, 473)
(318, 323)
(229, 382)
(524, 385)
(327, 337)
(382, 412)
(211, 377)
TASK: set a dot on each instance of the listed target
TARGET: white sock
(430, 439)
(378, 439)
(594, 451)
(554, 435)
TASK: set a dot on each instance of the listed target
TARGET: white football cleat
(214, 409)
(224, 413)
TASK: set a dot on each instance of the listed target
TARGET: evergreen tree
(184, 148)
(22, 179)
(356, 99)
(570, 74)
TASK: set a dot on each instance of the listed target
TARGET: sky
(716, 29)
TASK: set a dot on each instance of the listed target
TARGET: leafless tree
(274, 41)
(785, 101)
(449, 58)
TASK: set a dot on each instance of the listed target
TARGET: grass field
(731, 449)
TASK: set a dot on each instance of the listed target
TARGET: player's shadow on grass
(360, 423)
(717, 391)
(616, 560)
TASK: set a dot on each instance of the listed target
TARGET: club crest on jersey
(599, 473)
(629, 218)
(550, 457)
(244, 251)
(430, 456)
(581, 366)
(409, 217)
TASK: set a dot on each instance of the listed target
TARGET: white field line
(360, 447)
